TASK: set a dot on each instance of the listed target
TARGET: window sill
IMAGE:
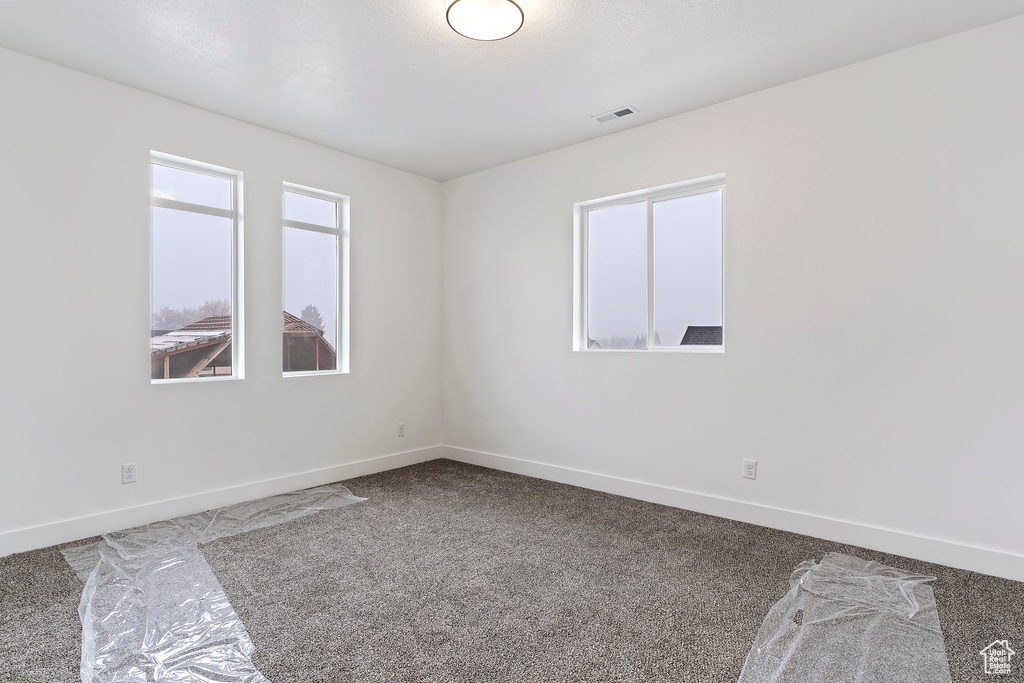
(313, 373)
(195, 380)
(660, 349)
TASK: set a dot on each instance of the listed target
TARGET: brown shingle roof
(298, 325)
(218, 327)
(217, 323)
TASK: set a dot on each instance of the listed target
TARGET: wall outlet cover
(750, 469)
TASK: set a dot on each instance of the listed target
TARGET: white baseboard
(41, 536)
(951, 553)
(984, 560)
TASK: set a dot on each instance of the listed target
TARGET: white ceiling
(388, 80)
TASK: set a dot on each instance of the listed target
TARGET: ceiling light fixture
(485, 19)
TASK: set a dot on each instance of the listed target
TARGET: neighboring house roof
(702, 335)
(206, 342)
(216, 328)
(213, 323)
(305, 346)
(299, 327)
(179, 340)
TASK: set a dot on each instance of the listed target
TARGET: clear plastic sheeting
(152, 609)
(847, 620)
(161, 617)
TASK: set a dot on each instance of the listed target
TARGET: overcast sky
(191, 259)
(687, 274)
(191, 253)
(311, 276)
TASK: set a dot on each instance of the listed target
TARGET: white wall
(873, 286)
(873, 308)
(74, 276)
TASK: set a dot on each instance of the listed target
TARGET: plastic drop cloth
(152, 609)
(847, 620)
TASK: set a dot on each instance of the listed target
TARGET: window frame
(650, 196)
(235, 214)
(342, 257)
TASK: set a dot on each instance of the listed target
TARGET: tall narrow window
(194, 270)
(314, 287)
(649, 269)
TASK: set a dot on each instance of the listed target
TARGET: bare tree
(168, 318)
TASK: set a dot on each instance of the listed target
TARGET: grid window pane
(190, 186)
(300, 207)
(688, 270)
(617, 277)
(310, 300)
(191, 294)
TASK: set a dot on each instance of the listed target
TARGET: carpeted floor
(451, 572)
(40, 634)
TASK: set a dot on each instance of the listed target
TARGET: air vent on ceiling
(614, 114)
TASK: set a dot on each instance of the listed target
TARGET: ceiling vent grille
(614, 114)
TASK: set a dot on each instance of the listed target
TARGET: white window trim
(342, 316)
(580, 324)
(235, 213)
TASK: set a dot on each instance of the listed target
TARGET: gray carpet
(457, 573)
(40, 634)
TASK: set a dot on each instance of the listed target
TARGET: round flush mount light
(485, 19)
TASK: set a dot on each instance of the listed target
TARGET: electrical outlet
(129, 473)
(750, 469)
(401, 429)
